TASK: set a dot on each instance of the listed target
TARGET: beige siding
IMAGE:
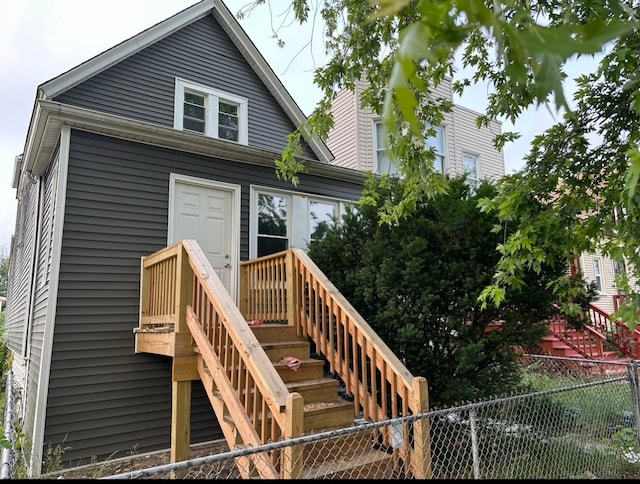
(468, 138)
(609, 289)
(352, 140)
(342, 137)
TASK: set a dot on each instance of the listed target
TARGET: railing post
(292, 312)
(181, 390)
(293, 455)
(421, 430)
(243, 302)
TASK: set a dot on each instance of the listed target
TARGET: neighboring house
(460, 146)
(169, 135)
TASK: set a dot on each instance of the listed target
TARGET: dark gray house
(169, 135)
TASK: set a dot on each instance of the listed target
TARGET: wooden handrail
(242, 372)
(617, 333)
(381, 386)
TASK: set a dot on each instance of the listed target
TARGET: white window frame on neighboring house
(212, 114)
(383, 165)
(300, 221)
(597, 273)
(473, 177)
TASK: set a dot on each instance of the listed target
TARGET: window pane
(272, 215)
(269, 245)
(228, 121)
(320, 217)
(597, 274)
(193, 125)
(384, 165)
(470, 166)
(437, 142)
(194, 112)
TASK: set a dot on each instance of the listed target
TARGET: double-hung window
(597, 274)
(321, 215)
(204, 110)
(471, 168)
(385, 165)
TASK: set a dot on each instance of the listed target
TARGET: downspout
(5, 470)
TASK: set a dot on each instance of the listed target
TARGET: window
(283, 219)
(471, 168)
(200, 109)
(384, 165)
(273, 218)
(437, 143)
(597, 274)
(321, 215)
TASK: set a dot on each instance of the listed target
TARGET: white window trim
(478, 174)
(213, 98)
(598, 261)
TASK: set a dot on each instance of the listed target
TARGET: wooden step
(316, 389)
(365, 464)
(276, 350)
(311, 368)
(276, 332)
(335, 413)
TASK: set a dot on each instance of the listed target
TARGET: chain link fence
(573, 419)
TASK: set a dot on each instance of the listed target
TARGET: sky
(41, 39)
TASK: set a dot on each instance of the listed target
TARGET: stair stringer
(241, 432)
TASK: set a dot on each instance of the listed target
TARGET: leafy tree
(417, 284)
(4, 275)
(577, 191)
(404, 49)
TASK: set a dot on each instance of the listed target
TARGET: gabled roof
(234, 30)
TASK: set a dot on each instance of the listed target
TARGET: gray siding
(22, 252)
(143, 86)
(41, 289)
(103, 397)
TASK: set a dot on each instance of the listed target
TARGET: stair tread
(345, 462)
(311, 382)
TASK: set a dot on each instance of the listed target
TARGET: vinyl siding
(143, 86)
(468, 138)
(22, 253)
(103, 397)
(41, 290)
(342, 140)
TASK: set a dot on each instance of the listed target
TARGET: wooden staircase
(187, 314)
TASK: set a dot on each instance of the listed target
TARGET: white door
(204, 212)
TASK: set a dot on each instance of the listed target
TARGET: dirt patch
(134, 463)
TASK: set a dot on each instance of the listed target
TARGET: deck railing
(616, 332)
(181, 289)
(288, 286)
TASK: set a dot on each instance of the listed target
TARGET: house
(459, 145)
(169, 135)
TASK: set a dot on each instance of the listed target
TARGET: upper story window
(201, 109)
(597, 273)
(471, 167)
(385, 165)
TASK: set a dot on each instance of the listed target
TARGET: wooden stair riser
(370, 464)
(277, 351)
(339, 446)
(269, 333)
(310, 369)
(339, 416)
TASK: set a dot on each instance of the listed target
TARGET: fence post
(632, 369)
(474, 443)
(421, 430)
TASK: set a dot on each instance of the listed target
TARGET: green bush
(417, 284)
